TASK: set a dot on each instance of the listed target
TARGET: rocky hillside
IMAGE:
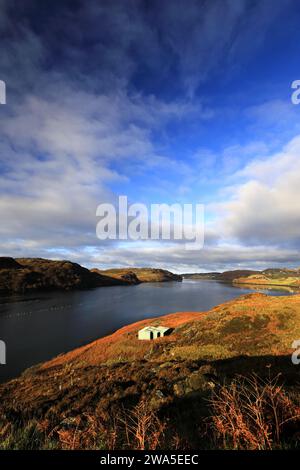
(141, 274)
(97, 396)
(33, 274)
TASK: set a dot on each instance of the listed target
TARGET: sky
(164, 102)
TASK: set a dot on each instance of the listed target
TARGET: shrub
(252, 413)
(142, 427)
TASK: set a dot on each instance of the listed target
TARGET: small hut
(153, 332)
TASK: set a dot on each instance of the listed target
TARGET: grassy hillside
(272, 277)
(21, 275)
(202, 276)
(269, 277)
(101, 395)
(226, 276)
(255, 324)
(33, 274)
(140, 274)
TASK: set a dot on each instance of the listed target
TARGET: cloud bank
(121, 98)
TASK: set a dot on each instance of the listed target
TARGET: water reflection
(284, 290)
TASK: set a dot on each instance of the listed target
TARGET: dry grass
(143, 428)
(248, 413)
(137, 428)
(122, 343)
(253, 414)
(263, 280)
(140, 274)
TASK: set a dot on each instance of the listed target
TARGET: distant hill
(272, 277)
(281, 273)
(88, 398)
(208, 276)
(34, 274)
(137, 275)
(224, 276)
(23, 275)
(9, 263)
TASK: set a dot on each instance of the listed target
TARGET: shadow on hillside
(264, 366)
(179, 393)
(191, 412)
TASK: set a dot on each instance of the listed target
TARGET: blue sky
(164, 102)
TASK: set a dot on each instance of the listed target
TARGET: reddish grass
(106, 348)
(253, 414)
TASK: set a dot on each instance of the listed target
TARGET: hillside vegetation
(269, 277)
(226, 276)
(140, 274)
(119, 392)
(273, 277)
(21, 275)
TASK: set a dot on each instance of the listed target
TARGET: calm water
(38, 327)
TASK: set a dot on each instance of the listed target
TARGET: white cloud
(60, 153)
(266, 207)
(73, 126)
(177, 259)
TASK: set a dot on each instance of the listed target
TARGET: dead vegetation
(254, 414)
(248, 413)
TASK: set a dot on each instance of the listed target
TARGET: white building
(153, 332)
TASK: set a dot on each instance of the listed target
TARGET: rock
(197, 381)
(160, 394)
(179, 389)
